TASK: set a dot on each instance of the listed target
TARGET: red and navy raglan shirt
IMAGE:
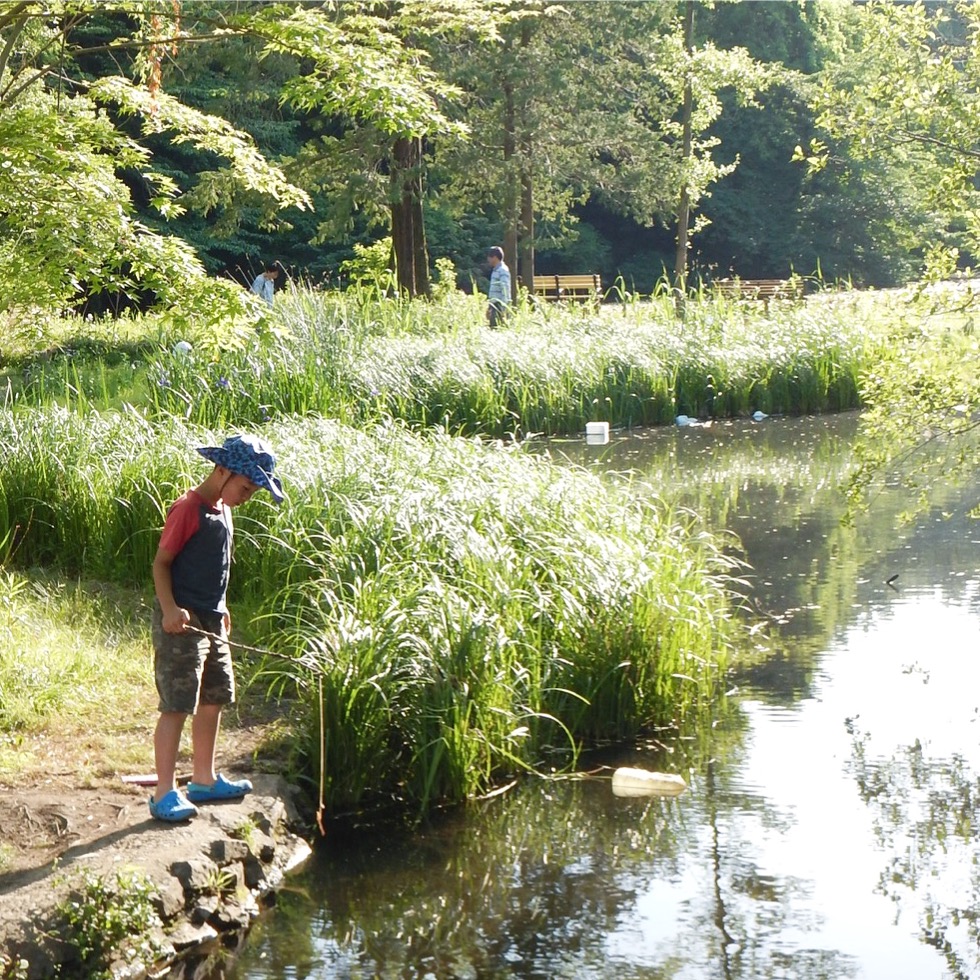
(199, 536)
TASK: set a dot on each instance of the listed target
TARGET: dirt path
(70, 810)
(72, 802)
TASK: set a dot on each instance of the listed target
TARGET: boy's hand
(226, 620)
(176, 621)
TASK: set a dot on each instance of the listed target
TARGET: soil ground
(71, 791)
(69, 811)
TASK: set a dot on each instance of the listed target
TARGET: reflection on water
(828, 831)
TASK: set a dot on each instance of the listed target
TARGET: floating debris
(642, 782)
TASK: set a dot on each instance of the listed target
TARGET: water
(829, 827)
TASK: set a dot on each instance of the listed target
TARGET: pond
(828, 830)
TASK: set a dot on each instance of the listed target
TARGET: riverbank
(70, 829)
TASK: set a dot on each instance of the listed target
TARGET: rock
(263, 846)
(170, 899)
(233, 916)
(225, 851)
(299, 854)
(187, 936)
(196, 875)
(203, 909)
(256, 878)
(208, 874)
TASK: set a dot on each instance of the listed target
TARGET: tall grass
(551, 370)
(357, 358)
(466, 605)
(465, 608)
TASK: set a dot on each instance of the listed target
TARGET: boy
(194, 674)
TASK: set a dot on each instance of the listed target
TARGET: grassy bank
(68, 651)
(467, 607)
(357, 359)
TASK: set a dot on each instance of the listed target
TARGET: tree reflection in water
(925, 818)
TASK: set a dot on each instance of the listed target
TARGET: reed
(359, 358)
(466, 605)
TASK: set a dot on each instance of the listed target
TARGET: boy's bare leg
(166, 743)
(204, 731)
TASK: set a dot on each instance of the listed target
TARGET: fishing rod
(317, 669)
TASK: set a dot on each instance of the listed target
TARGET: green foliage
(907, 97)
(108, 918)
(67, 213)
(61, 147)
(67, 217)
(923, 394)
(853, 217)
(362, 68)
(434, 364)
(359, 356)
(445, 283)
(219, 127)
(583, 101)
(248, 171)
(245, 831)
(371, 267)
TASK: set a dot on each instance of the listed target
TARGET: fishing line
(314, 669)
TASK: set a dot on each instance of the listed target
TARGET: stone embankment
(209, 877)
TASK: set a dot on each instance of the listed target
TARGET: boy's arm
(174, 617)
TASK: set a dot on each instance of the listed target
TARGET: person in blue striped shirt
(499, 293)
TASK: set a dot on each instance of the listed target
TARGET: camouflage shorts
(191, 669)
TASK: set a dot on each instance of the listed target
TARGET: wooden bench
(585, 287)
(760, 289)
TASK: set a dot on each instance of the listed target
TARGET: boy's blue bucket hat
(250, 457)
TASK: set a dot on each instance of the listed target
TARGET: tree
(67, 214)
(353, 67)
(533, 130)
(585, 102)
(861, 220)
(390, 91)
(684, 206)
(911, 99)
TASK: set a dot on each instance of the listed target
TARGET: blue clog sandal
(221, 789)
(173, 808)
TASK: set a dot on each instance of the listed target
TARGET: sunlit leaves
(160, 112)
(62, 142)
(910, 93)
(923, 391)
(362, 68)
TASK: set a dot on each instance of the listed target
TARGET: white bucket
(642, 782)
(597, 429)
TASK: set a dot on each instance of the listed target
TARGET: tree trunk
(684, 206)
(420, 244)
(525, 241)
(525, 244)
(411, 257)
(510, 203)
